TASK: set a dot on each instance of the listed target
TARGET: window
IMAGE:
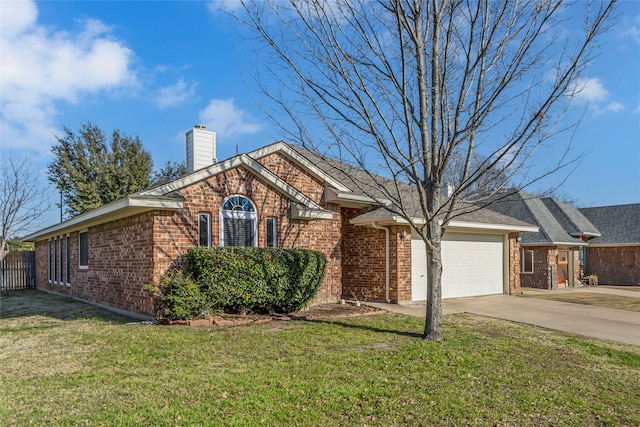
(68, 261)
(61, 277)
(239, 222)
(50, 252)
(55, 261)
(204, 229)
(527, 261)
(629, 258)
(271, 232)
(83, 249)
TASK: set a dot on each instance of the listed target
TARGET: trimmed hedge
(246, 279)
(241, 280)
(181, 298)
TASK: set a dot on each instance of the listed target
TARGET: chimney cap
(200, 126)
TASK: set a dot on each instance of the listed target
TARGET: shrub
(268, 280)
(181, 298)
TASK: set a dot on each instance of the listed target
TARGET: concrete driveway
(616, 325)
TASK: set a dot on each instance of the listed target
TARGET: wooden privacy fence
(18, 271)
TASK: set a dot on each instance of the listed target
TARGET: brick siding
(609, 265)
(120, 265)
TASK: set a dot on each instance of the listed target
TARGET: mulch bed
(324, 311)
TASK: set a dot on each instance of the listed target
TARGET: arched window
(239, 222)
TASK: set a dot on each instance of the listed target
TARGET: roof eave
(512, 228)
(349, 199)
(302, 212)
(119, 209)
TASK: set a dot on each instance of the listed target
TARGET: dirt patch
(324, 311)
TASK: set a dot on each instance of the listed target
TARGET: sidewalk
(616, 325)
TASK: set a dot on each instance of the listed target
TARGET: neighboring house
(615, 256)
(278, 195)
(554, 256)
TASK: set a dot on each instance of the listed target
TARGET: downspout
(373, 224)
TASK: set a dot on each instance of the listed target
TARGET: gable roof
(619, 225)
(339, 179)
(167, 197)
(560, 224)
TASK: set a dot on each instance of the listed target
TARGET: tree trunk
(433, 324)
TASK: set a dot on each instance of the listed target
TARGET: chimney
(201, 148)
(447, 189)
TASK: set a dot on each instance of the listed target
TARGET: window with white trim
(61, 277)
(55, 261)
(204, 229)
(271, 231)
(239, 225)
(50, 261)
(527, 261)
(83, 249)
(67, 259)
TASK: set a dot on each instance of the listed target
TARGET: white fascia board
(496, 227)
(391, 219)
(302, 212)
(122, 208)
(306, 164)
(334, 195)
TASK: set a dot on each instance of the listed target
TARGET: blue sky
(155, 69)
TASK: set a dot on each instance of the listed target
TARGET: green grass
(372, 370)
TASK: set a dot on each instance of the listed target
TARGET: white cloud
(592, 91)
(614, 107)
(174, 95)
(226, 119)
(634, 33)
(42, 67)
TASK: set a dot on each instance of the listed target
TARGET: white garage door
(472, 266)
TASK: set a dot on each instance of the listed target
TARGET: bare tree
(22, 200)
(416, 92)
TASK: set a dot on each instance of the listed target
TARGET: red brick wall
(176, 232)
(127, 254)
(363, 259)
(120, 265)
(543, 258)
(609, 265)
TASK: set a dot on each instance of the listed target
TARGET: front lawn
(374, 370)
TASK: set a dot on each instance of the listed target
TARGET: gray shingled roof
(560, 224)
(617, 224)
(350, 175)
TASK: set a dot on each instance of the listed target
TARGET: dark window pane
(204, 230)
(271, 232)
(238, 232)
(84, 249)
(68, 260)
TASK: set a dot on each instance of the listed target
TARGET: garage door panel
(472, 265)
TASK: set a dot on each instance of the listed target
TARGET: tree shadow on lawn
(29, 303)
(341, 322)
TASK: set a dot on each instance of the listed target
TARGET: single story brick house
(554, 256)
(278, 195)
(614, 256)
